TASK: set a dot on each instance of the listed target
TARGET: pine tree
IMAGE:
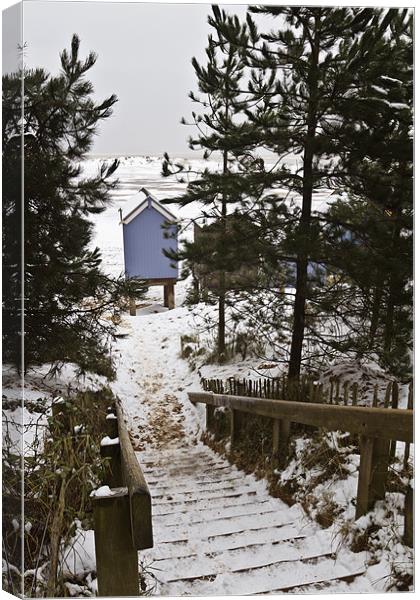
(374, 141)
(222, 131)
(308, 56)
(67, 298)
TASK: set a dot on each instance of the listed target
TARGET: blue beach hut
(149, 229)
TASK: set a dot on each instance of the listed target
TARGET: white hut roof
(139, 202)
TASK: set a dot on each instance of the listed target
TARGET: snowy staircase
(217, 531)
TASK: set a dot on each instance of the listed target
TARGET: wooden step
(218, 505)
(184, 485)
(199, 492)
(225, 526)
(229, 499)
(246, 558)
(278, 577)
(249, 509)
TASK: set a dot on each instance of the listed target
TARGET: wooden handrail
(138, 491)
(122, 512)
(383, 423)
(375, 427)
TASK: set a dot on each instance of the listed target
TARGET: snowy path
(217, 531)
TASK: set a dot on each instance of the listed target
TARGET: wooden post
(276, 439)
(116, 558)
(346, 393)
(311, 391)
(373, 472)
(235, 427)
(337, 392)
(387, 394)
(365, 470)
(132, 308)
(110, 409)
(209, 417)
(380, 469)
(111, 425)
(113, 472)
(331, 389)
(375, 396)
(354, 394)
(281, 433)
(408, 518)
(169, 295)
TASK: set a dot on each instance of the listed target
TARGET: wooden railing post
(235, 427)
(116, 558)
(281, 433)
(112, 425)
(373, 473)
(276, 439)
(365, 470)
(110, 449)
(209, 417)
(380, 469)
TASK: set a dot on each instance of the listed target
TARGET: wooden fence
(335, 391)
(123, 515)
(308, 390)
(377, 428)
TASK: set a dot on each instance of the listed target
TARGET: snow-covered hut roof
(139, 202)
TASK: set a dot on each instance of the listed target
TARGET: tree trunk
(221, 334)
(305, 219)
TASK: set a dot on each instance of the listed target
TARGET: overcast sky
(144, 56)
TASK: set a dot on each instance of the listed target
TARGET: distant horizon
(198, 155)
(144, 57)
